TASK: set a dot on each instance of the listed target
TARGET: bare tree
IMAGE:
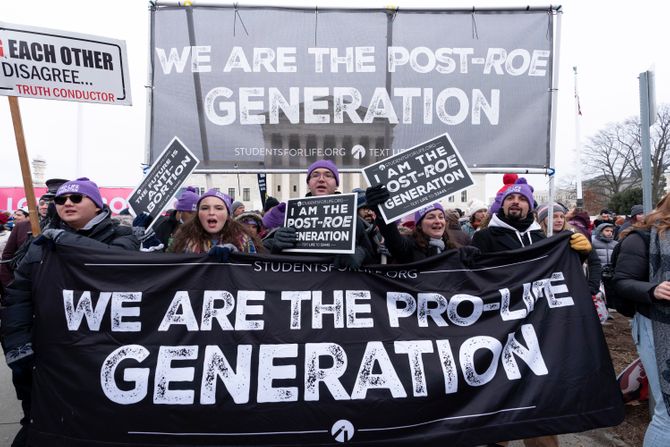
(609, 155)
(613, 159)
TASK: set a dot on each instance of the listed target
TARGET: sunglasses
(74, 198)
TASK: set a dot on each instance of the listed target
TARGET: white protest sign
(61, 65)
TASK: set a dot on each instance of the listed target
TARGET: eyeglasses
(325, 174)
(74, 198)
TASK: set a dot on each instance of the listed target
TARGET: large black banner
(160, 349)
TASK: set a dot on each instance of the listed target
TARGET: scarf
(659, 267)
(437, 243)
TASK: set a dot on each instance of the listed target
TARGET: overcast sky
(609, 44)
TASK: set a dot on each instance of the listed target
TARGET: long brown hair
(192, 237)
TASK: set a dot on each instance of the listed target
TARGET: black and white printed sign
(143, 349)
(163, 180)
(325, 224)
(419, 176)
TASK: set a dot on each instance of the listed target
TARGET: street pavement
(10, 408)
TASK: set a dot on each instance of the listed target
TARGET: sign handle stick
(25, 167)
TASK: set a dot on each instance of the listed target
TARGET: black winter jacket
(16, 312)
(631, 275)
(499, 236)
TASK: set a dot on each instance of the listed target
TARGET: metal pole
(578, 144)
(645, 142)
(554, 113)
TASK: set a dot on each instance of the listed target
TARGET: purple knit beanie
(82, 186)
(520, 187)
(324, 164)
(225, 198)
(275, 217)
(425, 210)
(187, 200)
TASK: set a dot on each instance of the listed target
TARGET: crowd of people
(73, 212)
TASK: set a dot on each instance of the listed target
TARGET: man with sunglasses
(83, 220)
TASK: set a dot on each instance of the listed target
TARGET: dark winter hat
(188, 200)
(324, 164)
(522, 187)
(225, 198)
(52, 187)
(236, 204)
(636, 209)
(82, 186)
(605, 211)
(602, 226)
(361, 201)
(425, 210)
(543, 210)
(269, 203)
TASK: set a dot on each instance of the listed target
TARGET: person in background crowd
(477, 213)
(238, 208)
(454, 233)
(17, 237)
(83, 221)
(580, 221)
(604, 217)
(641, 275)
(185, 209)
(47, 210)
(636, 217)
(323, 178)
(369, 217)
(593, 266)
(4, 232)
(252, 221)
(603, 242)
(214, 231)
(20, 215)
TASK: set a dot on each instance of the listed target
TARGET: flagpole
(578, 144)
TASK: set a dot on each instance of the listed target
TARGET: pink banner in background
(12, 198)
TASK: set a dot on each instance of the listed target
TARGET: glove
(285, 237)
(221, 253)
(376, 195)
(468, 255)
(151, 243)
(140, 224)
(352, 261)
(580, 244)
(49, 235)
